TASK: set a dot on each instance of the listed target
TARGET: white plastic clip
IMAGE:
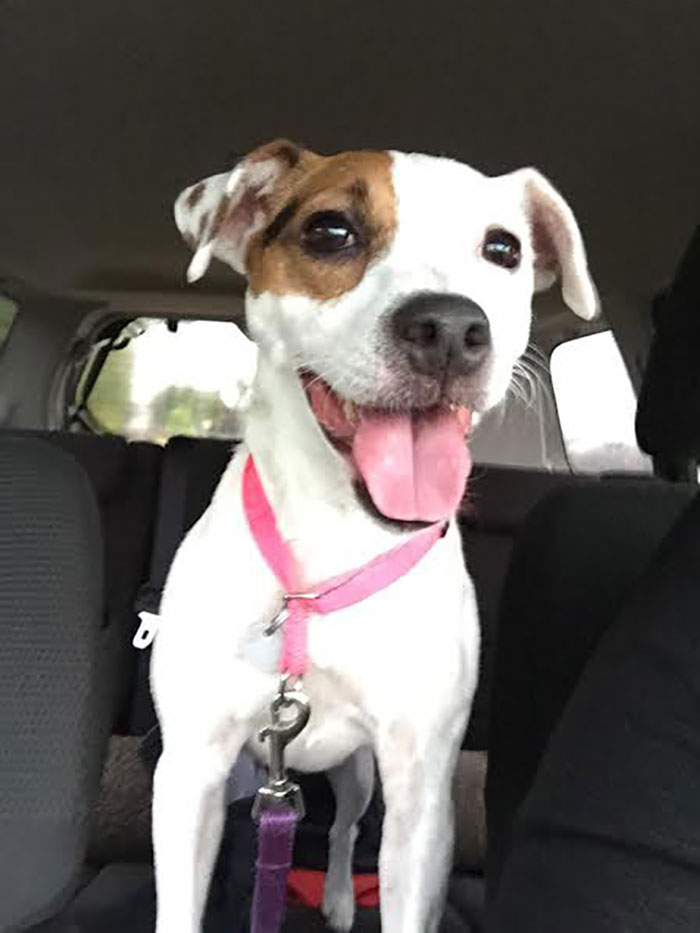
(147, 631)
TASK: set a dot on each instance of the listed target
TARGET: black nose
(442, 333)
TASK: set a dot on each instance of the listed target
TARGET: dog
(389, 295)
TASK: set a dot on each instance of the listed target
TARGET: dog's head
(399, 287)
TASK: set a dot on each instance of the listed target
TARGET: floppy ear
(218, 215)
(557, 243)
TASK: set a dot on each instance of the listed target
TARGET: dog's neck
(308, 483)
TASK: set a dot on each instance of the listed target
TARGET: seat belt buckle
(147, 630)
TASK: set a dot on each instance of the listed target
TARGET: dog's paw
(339, 909)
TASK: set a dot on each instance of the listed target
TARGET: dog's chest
(371, 661)
(338, 725)
(375, 661)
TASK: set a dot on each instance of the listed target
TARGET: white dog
(389, 296)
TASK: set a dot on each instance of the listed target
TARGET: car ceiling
(109, 107)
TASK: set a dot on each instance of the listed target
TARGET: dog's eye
(502, 249)
(328, 233)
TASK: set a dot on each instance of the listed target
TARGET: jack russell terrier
(389, 296)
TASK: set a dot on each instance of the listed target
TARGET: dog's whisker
(514, 393)
(523, 380)
(537, 375)
(534, 351)
(536, 360)
(534, 365)
(524, 389)
(541, 382)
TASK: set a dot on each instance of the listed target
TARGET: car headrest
(668, 412)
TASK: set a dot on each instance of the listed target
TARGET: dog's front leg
(352, 783)
(417, 839)
(188, 819)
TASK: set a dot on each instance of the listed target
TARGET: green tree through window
(162, 383)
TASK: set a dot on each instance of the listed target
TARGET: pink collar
(331, 595)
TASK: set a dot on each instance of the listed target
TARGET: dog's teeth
(350, 410)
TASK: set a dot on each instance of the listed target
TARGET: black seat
(575, 562)
(55, 706)
(668, 413)
(589, 558)
(498, 501)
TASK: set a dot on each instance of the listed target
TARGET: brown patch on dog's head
(281, 149)
(219, 215)
(356, 185)
(195, 195)
(254, 217)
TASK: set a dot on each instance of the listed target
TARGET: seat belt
(177, 492)
(170, 524)
(170, 530)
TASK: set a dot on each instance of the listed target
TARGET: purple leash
(278, 808)
(275, 843)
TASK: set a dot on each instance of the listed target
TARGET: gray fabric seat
(54, 708)
(124, 477)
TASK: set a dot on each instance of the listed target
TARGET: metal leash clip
(279, 790)
(282, 615)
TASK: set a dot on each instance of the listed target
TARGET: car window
(596, 404)
(160, 379)
(8, 313)
(523, 430)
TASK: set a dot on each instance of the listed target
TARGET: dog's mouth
(414, 464)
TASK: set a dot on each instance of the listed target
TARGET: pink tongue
(415, 469)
